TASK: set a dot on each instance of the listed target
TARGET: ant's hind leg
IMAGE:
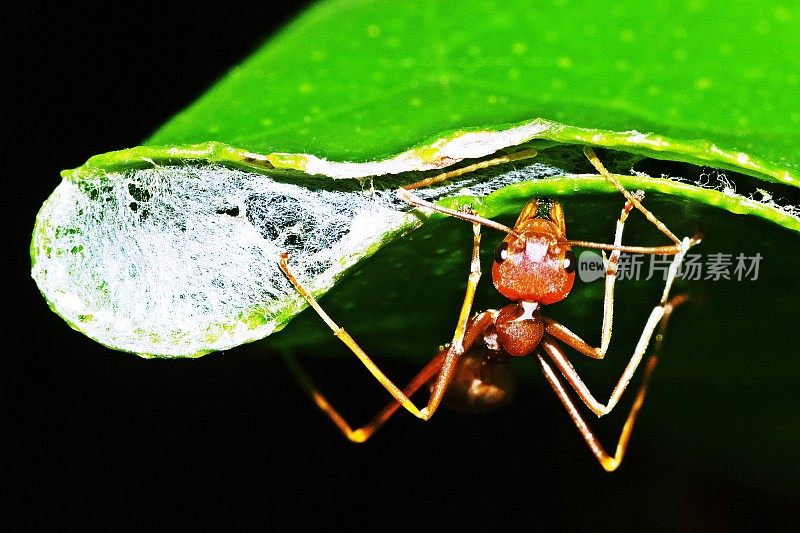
(366, 431)
(474, 328)
(611, 463)
(465, 334)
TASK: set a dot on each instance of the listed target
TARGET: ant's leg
(408, 197)
(516, 156)
(363, 433)
(566, 336)
(636, 201)
(345, 337)
(633, 200)
(593, 159)
(457, 347)
(611, 264)
(477, 326)
(563, 364)
(557, 356)
(469, 216)
(608, 462)
(554, 328)
(404, 194)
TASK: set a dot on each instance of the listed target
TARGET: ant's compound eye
(570, 262)
(501, 254)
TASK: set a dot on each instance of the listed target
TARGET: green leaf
(398, 90)
(364, 80)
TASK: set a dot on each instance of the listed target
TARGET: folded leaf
(169, 249)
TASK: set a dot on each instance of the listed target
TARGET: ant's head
(536, 263)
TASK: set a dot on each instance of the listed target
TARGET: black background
(104, 437)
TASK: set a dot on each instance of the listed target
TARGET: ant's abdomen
(480, 383)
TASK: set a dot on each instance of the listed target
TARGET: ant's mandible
(534, 266)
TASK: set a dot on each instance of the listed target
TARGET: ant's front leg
(611, 265)
(636, 201)
(480, 165)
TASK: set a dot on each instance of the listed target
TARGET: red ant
(533, 266)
